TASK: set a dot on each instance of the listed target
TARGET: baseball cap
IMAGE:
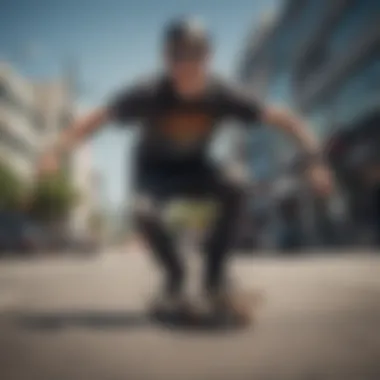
(186, 34)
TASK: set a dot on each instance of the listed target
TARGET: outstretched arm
(125, 106)
(293, 125)
(238, 103)
(79, 131)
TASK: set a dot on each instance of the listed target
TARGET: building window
(260, 154)
(360, 93)
(353, 22)
(17, 144)
(280, 92)
(7, 97)
(357, 17)
(320, 120)
(300, 27)
(313, 62)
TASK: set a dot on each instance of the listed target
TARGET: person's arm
(80, 130)
(295, 127)
(249, 110)
(124, 107)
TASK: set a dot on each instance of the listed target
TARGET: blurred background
(316, 259)
(320, 58)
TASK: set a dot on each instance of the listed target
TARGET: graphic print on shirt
(186, 128)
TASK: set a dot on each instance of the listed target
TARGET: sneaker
(231, 306)
(174, 305)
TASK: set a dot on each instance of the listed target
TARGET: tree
(52, 198)
(12, 190)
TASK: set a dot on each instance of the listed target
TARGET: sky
(111, 42)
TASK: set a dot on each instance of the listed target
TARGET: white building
(32, 115)
(56, 112)
(54, 109)
(19, 132)
(86, 183)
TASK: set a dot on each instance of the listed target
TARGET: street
(83, 318)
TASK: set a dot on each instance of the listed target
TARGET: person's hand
(321, 179)
(48, 164)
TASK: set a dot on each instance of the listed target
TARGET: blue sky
(112, 42)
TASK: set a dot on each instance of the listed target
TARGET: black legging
(230, 197)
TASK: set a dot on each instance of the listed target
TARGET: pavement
(84, 318)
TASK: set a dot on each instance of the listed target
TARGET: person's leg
(202, 179)
(231, 197)
(149, 219)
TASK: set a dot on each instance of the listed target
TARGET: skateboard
(242, 314)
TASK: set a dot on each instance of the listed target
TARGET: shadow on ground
(87, 318)
(52, 321)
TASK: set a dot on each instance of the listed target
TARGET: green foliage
(12, 190)
(52, 198)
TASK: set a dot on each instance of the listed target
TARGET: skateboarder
(178, 111)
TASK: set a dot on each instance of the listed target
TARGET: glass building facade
(359, 94)
(294, 26)
(322, 45)
(354, 21)
(345, 58)
(304, 44)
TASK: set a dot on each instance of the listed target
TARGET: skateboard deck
(244, 315)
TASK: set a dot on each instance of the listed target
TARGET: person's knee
(234, 191)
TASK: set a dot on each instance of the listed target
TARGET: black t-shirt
(174, 128)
